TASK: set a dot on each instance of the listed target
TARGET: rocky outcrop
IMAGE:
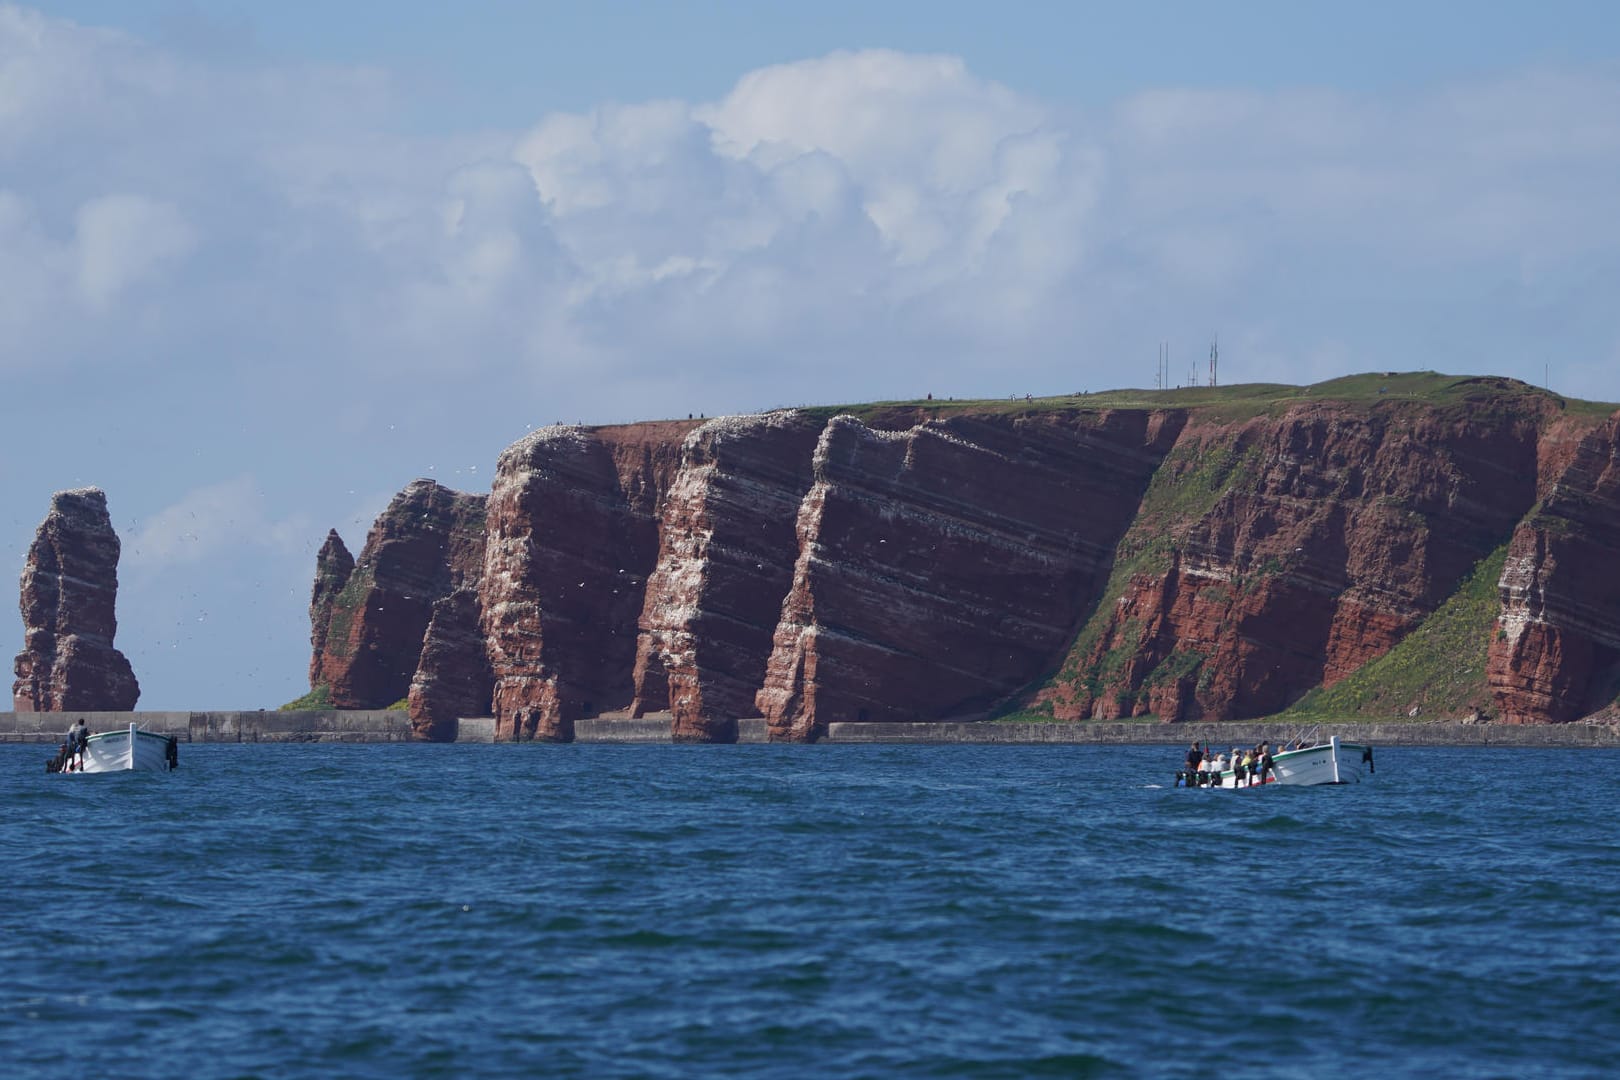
(573, 536)
(942, 568)
(333, 566)
(1277, 554)
(726, 552)
(1556, 653)
(68, 596)
(453, 677)
(425, 545)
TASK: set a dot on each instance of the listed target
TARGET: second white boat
(1330, 762)
(124, 751)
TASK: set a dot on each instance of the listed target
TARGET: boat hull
(125, 751)
(1333, 762)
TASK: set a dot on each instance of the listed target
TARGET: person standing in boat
(1264, 761)
(78, 737)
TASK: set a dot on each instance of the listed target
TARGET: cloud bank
(880, 216)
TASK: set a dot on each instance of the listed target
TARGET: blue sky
(261, 265)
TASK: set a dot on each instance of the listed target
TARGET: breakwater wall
(392, 725)
(1232, 734)
(260, 725)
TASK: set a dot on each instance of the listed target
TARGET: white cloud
(123, 239)
(877, 215)
(209, 521)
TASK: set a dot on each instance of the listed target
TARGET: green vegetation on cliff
(1242, 400)
(1438, 669)
(318, 698)
(1185, 487)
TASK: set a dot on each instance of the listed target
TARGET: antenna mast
(1214, 359)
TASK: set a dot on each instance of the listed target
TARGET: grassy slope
(1439, 668)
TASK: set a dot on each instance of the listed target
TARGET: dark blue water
(786, 911)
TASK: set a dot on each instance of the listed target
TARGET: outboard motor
(171, 753)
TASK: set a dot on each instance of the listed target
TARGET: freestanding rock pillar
(69, 586)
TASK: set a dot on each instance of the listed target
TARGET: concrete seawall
(304, 725)
(392, 725)
(1395, 733)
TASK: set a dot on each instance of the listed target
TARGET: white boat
(121, 751)
(1330, 762)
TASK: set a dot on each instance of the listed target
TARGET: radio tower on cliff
(1214, 359)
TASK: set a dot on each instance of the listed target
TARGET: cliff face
(1277, 554)
(1556, 653)
(69, 589)
(573, 536)
(725, 560)
(1212, 561)
(453, 677)
(943, 567)
(426, 544)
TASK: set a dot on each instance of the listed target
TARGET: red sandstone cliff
(453, 677)
(426, 544)
(1556, 653)
(1281, 553)
(68, 595)
(572, 538)
(1206, 562)
(943, 567)
(725, 561)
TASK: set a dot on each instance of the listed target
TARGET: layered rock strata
(453, 677)
(573, 537)
(727, 547)
(1556, 653)
(68, 599)
(1278, 554)
(1204, 563)
(425, 545)
(943, 567)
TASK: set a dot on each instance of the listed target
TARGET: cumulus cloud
(122, 239)
(210, 520)
(882, 217)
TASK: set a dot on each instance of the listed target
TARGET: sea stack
(69, 588)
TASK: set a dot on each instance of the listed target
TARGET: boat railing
(1305, 738)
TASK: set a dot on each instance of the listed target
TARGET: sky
(262, 265)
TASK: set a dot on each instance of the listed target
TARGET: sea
(398, 910)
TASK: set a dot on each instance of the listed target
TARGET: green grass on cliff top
(1251, 399)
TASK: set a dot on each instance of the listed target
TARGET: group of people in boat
(70, 755)
(1205, 767)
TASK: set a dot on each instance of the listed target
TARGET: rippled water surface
(785, 911)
